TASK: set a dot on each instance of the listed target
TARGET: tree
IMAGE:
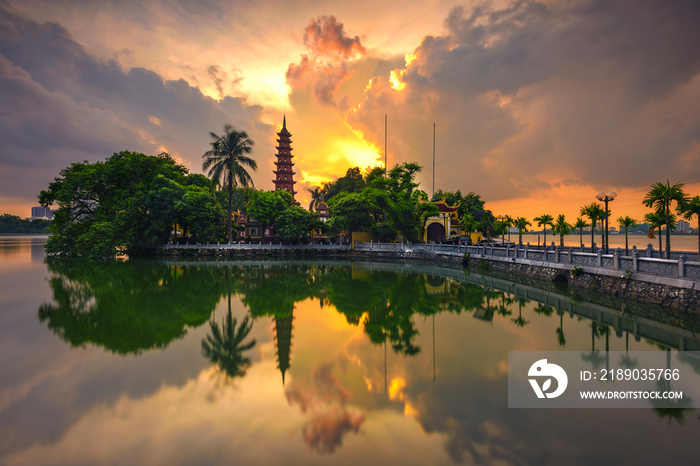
(198, 212)
(658, 220)
(545, 220)
(225, 346)
(266, 206)
(660, 197)
(469, 223)
(108, 201)
(316, 197)
(295, 223)
(397, 196)
(350, 212)
(521, 223)
(470, 203)
(580, 225)
(510, 222)
(626, 222)
(561, 228)
(14, 224)
(693, 208)
(594, 212)
(227, 161)
(351, 182)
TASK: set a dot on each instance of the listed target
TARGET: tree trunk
(668, 235)
(230, 196)
(626, 244)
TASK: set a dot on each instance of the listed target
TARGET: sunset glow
(522, 123)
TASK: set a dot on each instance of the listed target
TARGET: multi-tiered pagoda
(284, 174)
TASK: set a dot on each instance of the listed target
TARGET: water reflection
(374, 363)
(128, 307)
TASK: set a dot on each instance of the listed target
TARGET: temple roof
(444, 207)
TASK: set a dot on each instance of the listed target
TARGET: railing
(617, 261)
(254, 246)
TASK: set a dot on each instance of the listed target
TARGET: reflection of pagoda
(284, 174)
(283, 331)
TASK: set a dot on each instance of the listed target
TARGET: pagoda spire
(284, 171)
(283, 340)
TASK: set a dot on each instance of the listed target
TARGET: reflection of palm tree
(542, 308)
(225, 346)
(519, 321)
(560, 331)
(594, 356)
(673, 409)
(626, 360)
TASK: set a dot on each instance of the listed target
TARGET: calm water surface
(151, 362)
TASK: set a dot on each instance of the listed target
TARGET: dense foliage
(129, 201)
(14, 224)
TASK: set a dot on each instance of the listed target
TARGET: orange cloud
(325, 36)
(324, 69)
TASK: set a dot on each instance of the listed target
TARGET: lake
(332, 362)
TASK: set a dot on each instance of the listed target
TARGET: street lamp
(601, 196)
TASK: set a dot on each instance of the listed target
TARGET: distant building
(40, 212)
(683, 226)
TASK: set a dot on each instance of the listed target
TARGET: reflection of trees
(561, 339)
(128, 307)
(594, 357)
(225, 346)
(627, 361)
(519, 321)
(673, 410)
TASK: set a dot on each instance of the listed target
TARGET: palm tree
(658, 220)
(521, 223)
(225, 346)
(545, 220)
(660, 197)
(316, 197)
(626, 222)
(561, 228)
(594, 212)
(580, 225)
(693, 208)
(510, 222)
(469, 224)
(226, 161)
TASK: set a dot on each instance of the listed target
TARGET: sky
(536, 105)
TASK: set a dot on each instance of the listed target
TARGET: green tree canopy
(107, 201)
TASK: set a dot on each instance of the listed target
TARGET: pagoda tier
(284, 173)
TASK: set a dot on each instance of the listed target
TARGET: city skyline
(537, 105)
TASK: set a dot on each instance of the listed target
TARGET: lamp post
(601, 196)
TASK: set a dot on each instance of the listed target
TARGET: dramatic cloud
(537, 94)
(62, 105)
(325, 37)
(325, 69)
